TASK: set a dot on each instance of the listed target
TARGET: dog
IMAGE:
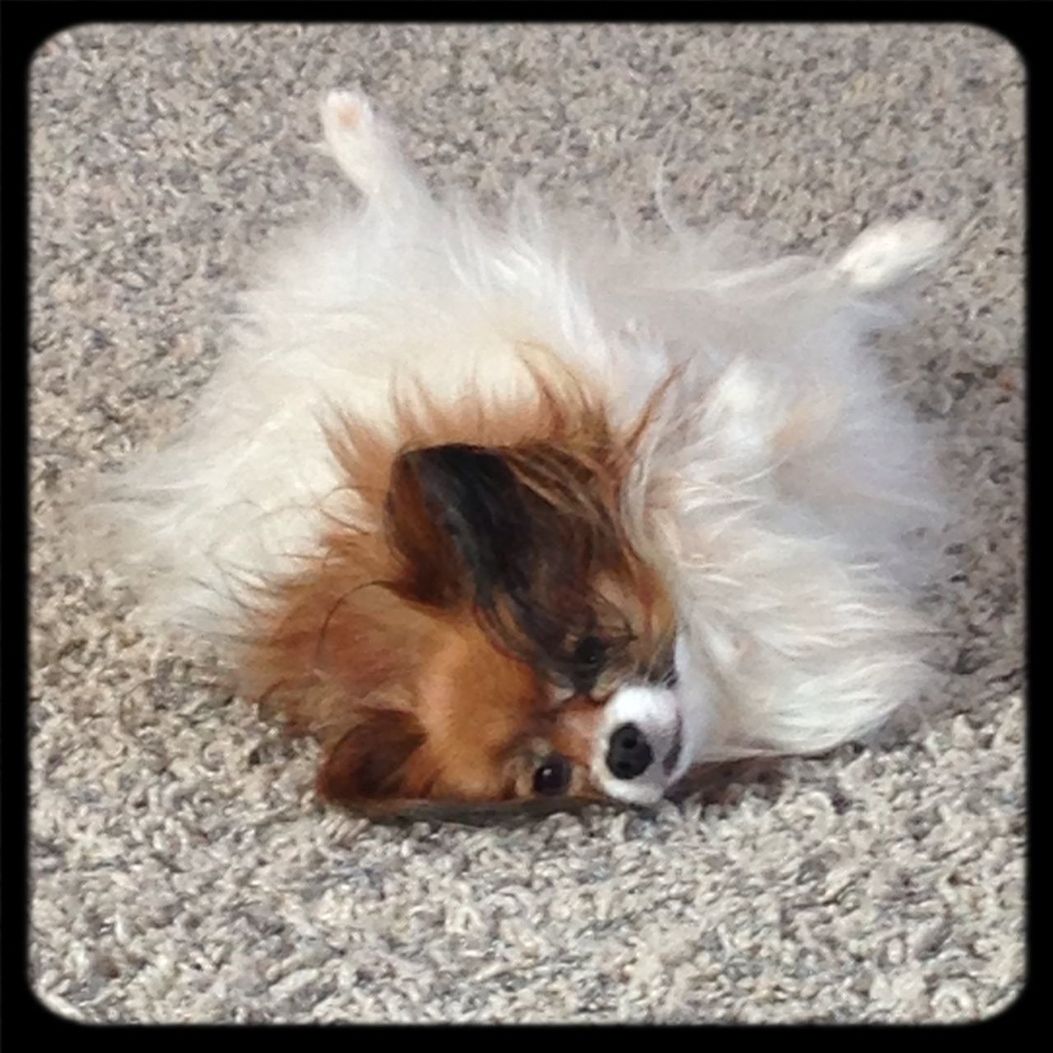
(529, 508)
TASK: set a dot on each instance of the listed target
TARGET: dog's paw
(888, 253)
(358, 141)
(347, 117)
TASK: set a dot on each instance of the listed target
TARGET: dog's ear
(370, 762)
(459, 517)
(515, 533)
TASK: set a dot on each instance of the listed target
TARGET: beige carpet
(181, 870)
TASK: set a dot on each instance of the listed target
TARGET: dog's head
(490, 634)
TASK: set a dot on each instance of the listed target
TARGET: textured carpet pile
(182, 871)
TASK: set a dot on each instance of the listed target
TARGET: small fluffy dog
(506, 511)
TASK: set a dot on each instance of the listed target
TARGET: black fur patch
(527, 563)
(473, 496)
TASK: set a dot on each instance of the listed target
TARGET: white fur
(657, 715)
(775, 489)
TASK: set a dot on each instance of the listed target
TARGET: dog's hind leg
(888, 253)
(366, 151)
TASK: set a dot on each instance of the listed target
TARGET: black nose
(628, 754)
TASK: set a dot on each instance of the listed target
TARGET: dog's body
(668, 464)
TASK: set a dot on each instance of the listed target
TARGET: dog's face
(476, 641)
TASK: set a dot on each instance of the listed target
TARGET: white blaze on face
(654, 712)
(678, 724)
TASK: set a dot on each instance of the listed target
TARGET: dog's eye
(588, 657)
(553, 776)
(589, 652)
(587, 661)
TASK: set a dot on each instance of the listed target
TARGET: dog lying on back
(505, 511)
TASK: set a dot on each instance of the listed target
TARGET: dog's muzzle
(639, 744)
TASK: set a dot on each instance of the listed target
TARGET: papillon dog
(533, 508)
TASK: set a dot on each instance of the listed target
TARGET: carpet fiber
(182, 871)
